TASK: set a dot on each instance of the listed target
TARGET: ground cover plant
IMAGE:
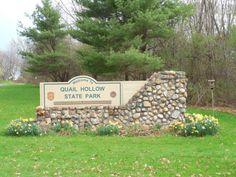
(84, 155)
(108, 130)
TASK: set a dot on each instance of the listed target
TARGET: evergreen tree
(113, 27)
(50, 56)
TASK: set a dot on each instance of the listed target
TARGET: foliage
(64, 128)
(133, 61)
(50, 55)
(24, 127)
(117, 26)
(108, 130)
(157, 126)
(91, 57)
(196, 125)
(204, 53)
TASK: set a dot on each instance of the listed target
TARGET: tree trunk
(126, 76)
(144, 76)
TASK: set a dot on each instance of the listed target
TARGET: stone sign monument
(85, 101)
(82, 91)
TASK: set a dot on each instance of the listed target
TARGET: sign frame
(71, 82)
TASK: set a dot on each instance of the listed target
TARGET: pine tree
(49, 56)
(118, 28)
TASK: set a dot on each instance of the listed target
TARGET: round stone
(144, 109)
(145, 93)
(94, 121)
(106, 115)
(165, 109)
(170, 94)
(165, 93)
(162, 105)
(140, 100)
(138, 110)
(175, 96)
(175, 114)
(151, 114)
(182, 90)
(164, 120)
(65, 112)
(154, 103)
(150, 98)
(149, 89)
(147, 104)
(182, 100)
(136, 115)
(155, 111)
(53, 115)
(158, 87)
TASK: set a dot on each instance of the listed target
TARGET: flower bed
(196, 125)
(24, 127)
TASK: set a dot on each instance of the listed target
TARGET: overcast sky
(11, 12)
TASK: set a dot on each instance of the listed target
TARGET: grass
(110, 156)
(9, 82)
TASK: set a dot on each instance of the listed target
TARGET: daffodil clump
(196, 125)
(64, 128)
(24, 127)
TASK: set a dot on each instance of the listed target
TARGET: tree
(10, 62)
(112, 26)
(50, 56)
(133, 63)
(203, 47)
(93, 60)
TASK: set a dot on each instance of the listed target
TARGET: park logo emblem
(50, 96)
(113, 94)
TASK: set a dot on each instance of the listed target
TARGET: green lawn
(110, 156)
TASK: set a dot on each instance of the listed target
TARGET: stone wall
(161, 100)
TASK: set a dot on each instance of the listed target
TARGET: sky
(11, 12)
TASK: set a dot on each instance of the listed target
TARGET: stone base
(161, 100)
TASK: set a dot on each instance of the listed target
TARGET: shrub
(64, 128)
(157, 127)
(196, 125)
(24, 127)
(108, 130)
